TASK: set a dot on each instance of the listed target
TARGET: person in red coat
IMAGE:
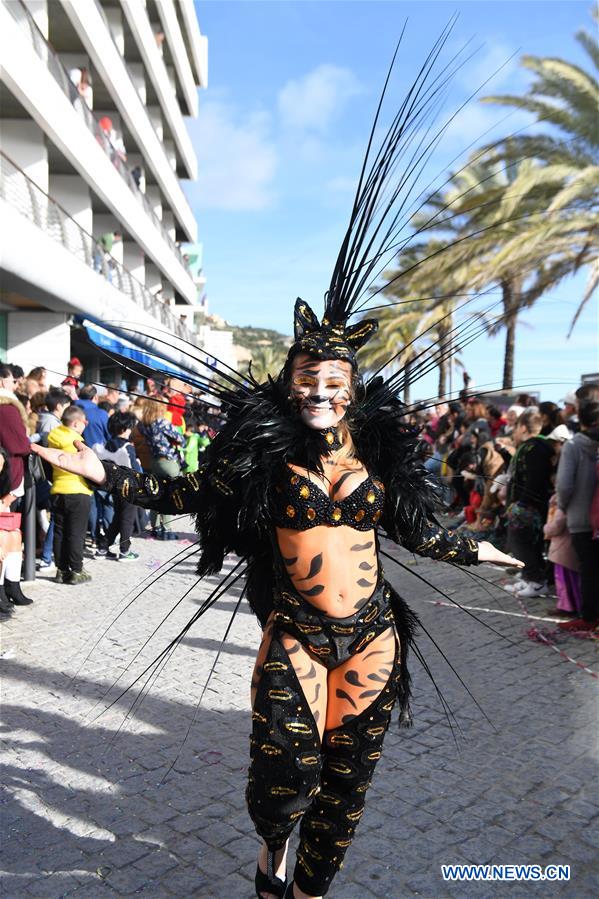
(176, 402)
(13, 430)
(14, 440)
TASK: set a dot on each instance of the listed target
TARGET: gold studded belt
(330, 640)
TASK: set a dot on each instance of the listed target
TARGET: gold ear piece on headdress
(333, 337)
(305, 321)
(360, 333)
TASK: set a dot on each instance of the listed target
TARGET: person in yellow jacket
(71, 500)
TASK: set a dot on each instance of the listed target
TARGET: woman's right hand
(84, 462)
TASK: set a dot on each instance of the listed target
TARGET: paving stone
(51, 887)
(156, 863)
(188, 882)
(215, 863)
(477, 850)
(126, 880)
(124, 852)
(570, 853)
(219, 834)
(589, 834)
(89, 891)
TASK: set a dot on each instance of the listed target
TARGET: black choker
(331, 436)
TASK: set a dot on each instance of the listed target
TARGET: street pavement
(90, 808)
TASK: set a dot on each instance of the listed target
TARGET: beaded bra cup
(298, 503)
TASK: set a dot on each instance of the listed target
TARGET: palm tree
(267, 359)
(565, 96)
(463, 225)
(494, 228)
(438, 322)
(522, 214)
(420, 313)
(399, 339)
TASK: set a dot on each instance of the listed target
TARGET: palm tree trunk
(510, 297)
(406, 383)
(444, 357)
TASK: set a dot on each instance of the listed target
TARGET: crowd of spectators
(523, 477)
(526, 478)
(162, 428)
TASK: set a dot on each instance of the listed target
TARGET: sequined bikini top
(300, 504)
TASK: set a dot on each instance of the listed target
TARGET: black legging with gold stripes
(294, 775)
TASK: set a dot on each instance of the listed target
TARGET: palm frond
(592, 285)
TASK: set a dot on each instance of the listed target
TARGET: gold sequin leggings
(294, 776)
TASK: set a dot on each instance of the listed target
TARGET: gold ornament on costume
(337, 338)
(270, 749)
(282, 791)
(298, 727)
(280, 695)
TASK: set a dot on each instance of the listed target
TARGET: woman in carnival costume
(308, 470)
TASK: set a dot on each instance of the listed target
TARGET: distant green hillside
(249, 337)
(268, 348)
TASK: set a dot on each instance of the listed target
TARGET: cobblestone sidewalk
(88, 812)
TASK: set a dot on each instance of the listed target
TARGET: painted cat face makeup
(321, 390)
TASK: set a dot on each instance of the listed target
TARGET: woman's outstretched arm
(167, 495)
(436, 542)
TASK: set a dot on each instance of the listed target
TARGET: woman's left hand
(488, 553)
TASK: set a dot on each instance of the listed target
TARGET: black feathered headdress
(330, 337)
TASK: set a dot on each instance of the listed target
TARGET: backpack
(119, 457)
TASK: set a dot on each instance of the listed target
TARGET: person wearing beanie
(512, 415)
(72, 383)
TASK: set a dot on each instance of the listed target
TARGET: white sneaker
(532, 589)
(516, 586)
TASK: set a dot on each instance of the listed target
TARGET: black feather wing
(391, 449)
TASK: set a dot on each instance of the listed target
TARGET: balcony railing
(54, 65)
(102, 13)
(20, 192)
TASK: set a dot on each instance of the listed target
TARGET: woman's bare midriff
(334, 568)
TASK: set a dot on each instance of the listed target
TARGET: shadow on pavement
(94, 811)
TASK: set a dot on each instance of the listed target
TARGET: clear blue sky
(282, 130)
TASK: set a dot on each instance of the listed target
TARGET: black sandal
(269, 882)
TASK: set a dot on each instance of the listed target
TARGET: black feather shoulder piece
(392, 449)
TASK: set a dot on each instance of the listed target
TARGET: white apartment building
(93, 142)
